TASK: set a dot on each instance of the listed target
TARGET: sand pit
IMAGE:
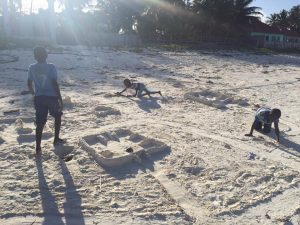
(120, 147)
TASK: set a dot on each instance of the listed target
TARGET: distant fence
(260, 42)
(282, 45)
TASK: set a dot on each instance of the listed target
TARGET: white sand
(206, 177)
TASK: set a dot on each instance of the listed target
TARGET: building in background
(265, 36)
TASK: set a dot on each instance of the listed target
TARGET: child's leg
(155, 92)
(147, 92)
(257, 125)
(55, 111)
(267, 128)
(41, 119)
(57, 127)
(38, 137)
(140, 93)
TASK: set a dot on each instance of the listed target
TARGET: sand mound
(215, 99)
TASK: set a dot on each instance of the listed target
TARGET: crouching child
(264, 117)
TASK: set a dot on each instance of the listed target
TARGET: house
(266, 36)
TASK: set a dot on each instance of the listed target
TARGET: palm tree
(234, 11)
(280, 20)
(294, 17)
(272, 19)
(225, 17)
(244, 13)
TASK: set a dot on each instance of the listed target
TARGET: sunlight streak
(33, 6)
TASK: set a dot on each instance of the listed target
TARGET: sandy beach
(195, 166)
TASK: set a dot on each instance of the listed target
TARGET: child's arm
(136, 91)
(119, 93)
(276, 130)
(57, 90)
(30, 88)
(251, 131)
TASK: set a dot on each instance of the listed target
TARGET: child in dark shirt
(140, 89)
(264, 117)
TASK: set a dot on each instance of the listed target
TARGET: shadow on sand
(50, 208)
(72, 205)
(148, 104)
(286, 145)
(129, 170)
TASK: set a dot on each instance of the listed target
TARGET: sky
(274, 6)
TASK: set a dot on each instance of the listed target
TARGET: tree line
(171, 20)
(286, 20)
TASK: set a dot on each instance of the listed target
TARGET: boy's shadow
(50, 209)
(288, 144)
(72, 206)
(148, 104)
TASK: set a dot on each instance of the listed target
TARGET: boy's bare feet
(59, 141)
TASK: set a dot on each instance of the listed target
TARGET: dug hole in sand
(120, 147)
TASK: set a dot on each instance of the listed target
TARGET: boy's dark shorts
(45, 104)
(264, 127)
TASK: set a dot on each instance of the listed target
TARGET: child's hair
(276, 113)
(40, 53)
(127, 81)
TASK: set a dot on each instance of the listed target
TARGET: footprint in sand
(1, 141)
(27, 138)
(63, 150)
(19, 125)
(67, 101)
(12, 112)
(2, 127)
(103, 111)
(193, 165)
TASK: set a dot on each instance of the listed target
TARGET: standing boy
(47, 97)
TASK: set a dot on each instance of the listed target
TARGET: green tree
(121, 14)
(225, 17)
(166, 19)
(294, 18)
(280, 20)
(244, 13)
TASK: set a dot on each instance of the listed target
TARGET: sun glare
(34, 6)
